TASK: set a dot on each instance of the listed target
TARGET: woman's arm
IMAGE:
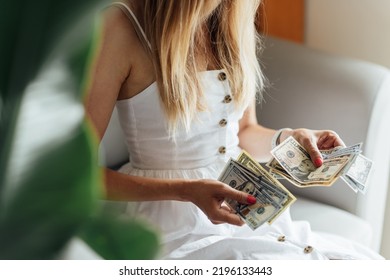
(110, 68)
(208, 195)
(254, 138)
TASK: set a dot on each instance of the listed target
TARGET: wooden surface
(283, 19)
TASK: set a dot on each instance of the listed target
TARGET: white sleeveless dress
(202, 152)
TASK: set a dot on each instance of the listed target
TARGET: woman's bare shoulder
(122, 47)
(119, 36)
(117, 24)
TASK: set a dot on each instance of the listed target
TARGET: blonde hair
(171, 26)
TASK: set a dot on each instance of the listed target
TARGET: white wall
(354, 28)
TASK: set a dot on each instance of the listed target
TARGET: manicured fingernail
(251, 199)
(318, 162)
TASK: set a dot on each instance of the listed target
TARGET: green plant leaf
(116, 239)
(29, 33)
(51, 182)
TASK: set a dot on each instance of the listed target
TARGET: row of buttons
(227, 99)
(222, 150)
(306, 250)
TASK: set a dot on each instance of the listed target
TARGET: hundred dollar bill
(246, 160)
(342, 151)
(256, 214)
(276, 194)
(296, 161)
(356, 186)
(359, 172)
(358, 166)
(350, 182)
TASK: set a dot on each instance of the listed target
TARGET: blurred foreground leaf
(114, 239)
(50, 183)
(49, 179)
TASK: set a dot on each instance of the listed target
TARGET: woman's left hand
(313, 141)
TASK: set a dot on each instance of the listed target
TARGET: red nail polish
(251, 199)
(318, 162)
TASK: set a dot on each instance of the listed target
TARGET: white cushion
(329, 219)
(112, 149)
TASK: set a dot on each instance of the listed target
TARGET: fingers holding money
(315, 140)
(292, 162)
(239, 196)
(255, 195)
(210, 196)
(308, 139)
(226, 215)
(310, 146)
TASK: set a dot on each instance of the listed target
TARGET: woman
(183, 76)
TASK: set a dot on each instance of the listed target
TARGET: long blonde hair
(171, 26)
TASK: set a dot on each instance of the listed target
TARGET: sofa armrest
(311, 89)
(329, 219)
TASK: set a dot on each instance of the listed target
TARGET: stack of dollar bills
(292, 162)
(272, 198)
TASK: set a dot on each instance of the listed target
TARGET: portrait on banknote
(303, 170)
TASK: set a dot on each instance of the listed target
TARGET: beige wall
(357, 28)
(354, 28)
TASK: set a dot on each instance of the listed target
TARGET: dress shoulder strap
(138, 28)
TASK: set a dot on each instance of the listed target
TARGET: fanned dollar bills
(292, 162)
(272, 198)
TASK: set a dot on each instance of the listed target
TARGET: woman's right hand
(209, 196)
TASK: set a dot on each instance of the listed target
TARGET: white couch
(316, 90)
